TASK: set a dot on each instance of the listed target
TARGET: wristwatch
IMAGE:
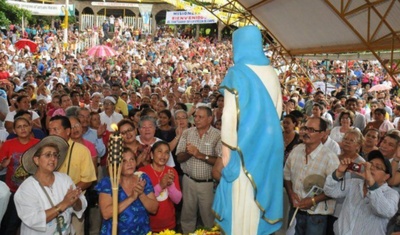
(207, 157)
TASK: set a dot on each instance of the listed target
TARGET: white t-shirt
(10, 116)
(108, 120)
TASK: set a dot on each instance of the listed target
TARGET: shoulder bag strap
(51, 203)
(70, 156)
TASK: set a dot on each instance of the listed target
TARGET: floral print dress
(134, 219)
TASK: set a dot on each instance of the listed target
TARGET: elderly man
(369, 202)
(78, 163)
(109, 116)
(197, 151)
(313, 159)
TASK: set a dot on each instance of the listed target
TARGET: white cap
(97, 94)
(110, 98)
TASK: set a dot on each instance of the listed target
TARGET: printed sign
(114, 4)
(44, 9)
(186, 17)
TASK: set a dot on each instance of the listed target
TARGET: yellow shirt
(81, 167)
(121, 107)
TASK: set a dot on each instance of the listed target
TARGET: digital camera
(354, 167)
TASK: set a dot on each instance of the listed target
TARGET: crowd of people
(57, 107)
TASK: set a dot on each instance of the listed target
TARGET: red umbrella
(101, 51)
(22, 43)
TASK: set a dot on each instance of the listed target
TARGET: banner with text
(44, 9)
(187, 17)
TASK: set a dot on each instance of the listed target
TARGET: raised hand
(366, 174)
(343, 165)
(178, 131)
(192, 150)
(171, 177)
(164, 182)
(139, 187)
(72, 196)
(144, 156)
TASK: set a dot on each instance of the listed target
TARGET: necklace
(158, 174)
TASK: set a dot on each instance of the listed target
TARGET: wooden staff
(114, 169)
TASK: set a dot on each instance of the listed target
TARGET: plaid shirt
(321, 161)
(209, 144)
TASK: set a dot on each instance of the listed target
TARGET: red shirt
(14, 149)
(106, 138)
(165, 217)
(4, 75)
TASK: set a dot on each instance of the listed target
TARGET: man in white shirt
(109, 116)
(369, 201)
(329, 142)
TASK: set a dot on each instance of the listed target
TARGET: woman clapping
(136, 199)
(166, 187)
(46, 200)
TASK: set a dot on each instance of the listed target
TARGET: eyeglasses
(349, 140)
(49, 155)
(310, 129)
(126, 132)
(77, 125)
(377, 167)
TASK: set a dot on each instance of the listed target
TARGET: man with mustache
(310, 158)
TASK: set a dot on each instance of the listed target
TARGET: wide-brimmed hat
(27, 157)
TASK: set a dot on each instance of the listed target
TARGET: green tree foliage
(10, 14)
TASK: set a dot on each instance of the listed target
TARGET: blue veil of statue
(260, 142)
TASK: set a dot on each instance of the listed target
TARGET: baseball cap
(377, 154)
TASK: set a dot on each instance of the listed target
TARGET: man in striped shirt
(369, 201)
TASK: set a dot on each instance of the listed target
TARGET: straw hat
(27, 157)
(313, 180)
